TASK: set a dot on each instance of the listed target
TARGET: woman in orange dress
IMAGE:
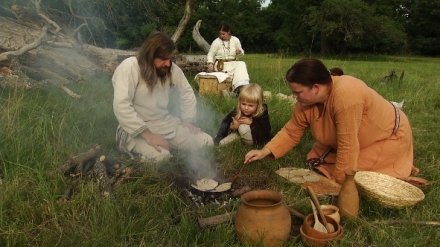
(362, 130)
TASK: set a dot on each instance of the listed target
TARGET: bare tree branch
(189, 9)
(5, 56)
(86, 23)
(201, 42)
(37, 7)
(78, 28)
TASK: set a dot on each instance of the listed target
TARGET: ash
(201, 198)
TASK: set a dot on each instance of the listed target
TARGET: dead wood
(197, 37)
(105, 184)
(189, 9)
(132, 171)
(111, 164)
(47, 19)
(216, 220)
(66, 195)
(64, 88)
(75, 165)
(241, 191)
(61, 54)
(390, 77)
(411, 222)
(26, 48)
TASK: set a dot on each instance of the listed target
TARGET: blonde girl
(248, 121)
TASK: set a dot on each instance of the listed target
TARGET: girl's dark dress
(260, 127)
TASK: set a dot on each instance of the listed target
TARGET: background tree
(352, 25)
(423, 20)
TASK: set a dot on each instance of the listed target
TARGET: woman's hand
(254, 155)
(155, 140)
(210, 67)
(245, 120)
(237, 51)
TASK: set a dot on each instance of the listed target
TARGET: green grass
(42, 128)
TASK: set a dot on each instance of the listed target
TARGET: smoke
(201, 163)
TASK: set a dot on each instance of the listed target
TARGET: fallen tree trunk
(36, 49)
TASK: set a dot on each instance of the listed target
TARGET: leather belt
(397, 120)
(220, 63)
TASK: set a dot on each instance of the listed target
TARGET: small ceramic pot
(317, 242)
(332, 211)
(308, 229)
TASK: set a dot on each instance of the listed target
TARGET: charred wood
(75, 165)
(105, 184)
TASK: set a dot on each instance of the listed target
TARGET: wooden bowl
(317, 242)
(308, 223)
(332, 211)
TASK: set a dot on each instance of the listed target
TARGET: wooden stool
(208, 84)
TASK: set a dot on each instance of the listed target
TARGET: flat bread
(305, 177)
(311, 178)
(223, 187)
(206, 184)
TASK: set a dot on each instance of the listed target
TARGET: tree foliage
(287, 26)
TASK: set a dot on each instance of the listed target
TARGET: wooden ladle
(329, 227)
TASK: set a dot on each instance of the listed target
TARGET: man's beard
(163, 71)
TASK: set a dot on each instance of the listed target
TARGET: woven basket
(387, 190)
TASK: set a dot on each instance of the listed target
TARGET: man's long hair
(157, 45)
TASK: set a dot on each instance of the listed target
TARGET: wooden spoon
(329, 227)
(318, 225)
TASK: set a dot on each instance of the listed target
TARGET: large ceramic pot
(263, 218)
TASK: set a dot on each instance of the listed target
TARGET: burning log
(216, 220)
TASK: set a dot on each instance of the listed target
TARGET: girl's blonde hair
(252, 93)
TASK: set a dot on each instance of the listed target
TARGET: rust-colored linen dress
(358, 123)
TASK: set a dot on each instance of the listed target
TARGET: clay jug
(348, 199)
(263, 218)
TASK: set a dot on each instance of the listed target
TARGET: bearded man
(142, 85)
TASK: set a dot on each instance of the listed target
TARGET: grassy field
(42, 128)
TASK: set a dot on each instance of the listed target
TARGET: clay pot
(262, 217)
(332, 211)
(319, 242)
(308, 229)
(348, 198)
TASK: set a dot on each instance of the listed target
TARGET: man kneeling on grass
(142, 86)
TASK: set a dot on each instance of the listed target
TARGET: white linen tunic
(225, 50)
(137, 108)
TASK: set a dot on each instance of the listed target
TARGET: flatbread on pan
(223, 187)
(206, 184)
